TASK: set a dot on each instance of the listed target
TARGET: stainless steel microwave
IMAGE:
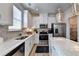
(43, 26)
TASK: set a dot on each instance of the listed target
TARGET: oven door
(43, 37)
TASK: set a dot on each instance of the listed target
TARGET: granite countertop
(11, 44)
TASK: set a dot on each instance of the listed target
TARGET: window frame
(16, 18)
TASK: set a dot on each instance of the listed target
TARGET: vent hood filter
(59, 16)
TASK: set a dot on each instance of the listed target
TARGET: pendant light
(75, 9)
(59, 15)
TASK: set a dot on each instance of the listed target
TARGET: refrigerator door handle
(56, 30)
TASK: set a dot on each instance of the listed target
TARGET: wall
(68, 13)
(4, 29)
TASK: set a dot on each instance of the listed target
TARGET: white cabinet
(43, 18)
(29, 44)
(27, 47)
(36, 21)
(6, 15)
(36, 38)
(51, 19)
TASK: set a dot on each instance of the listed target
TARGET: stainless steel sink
(21, 38)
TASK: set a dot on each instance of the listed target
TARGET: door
(73, 28)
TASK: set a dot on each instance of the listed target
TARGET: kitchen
(39, 29)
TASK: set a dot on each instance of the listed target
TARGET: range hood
(59, 16)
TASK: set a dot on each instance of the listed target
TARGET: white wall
(68, 14)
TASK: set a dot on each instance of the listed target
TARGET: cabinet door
(37, 39)
(45, 18)
(28, 45)
(51, 19)
(6, 14)
(36, 21)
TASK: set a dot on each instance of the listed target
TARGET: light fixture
(75, 10)
(59, 15)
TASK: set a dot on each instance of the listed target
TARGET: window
(17, 20)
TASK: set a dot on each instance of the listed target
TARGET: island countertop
(11, 44)
(64, 47)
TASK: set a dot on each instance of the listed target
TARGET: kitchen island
(60, 46)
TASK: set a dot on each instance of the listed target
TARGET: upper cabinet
(36, 21)
(40, 19)
(6, 13)
(51, 19)
(44, 18)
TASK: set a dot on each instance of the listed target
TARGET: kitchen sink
(21, 38)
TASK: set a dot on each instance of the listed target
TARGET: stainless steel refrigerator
(58, 29)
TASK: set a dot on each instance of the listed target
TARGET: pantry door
(73, 28)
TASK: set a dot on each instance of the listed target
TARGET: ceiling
(51, 7)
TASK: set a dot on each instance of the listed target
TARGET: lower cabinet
(36, 41)
(29, 44)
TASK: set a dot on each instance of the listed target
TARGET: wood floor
(41, 43)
